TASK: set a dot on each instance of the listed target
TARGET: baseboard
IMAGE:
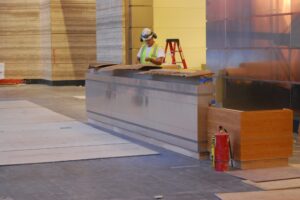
(55, 83)
(147, 139)
(11, 81)
(257, 164)
(157, 134)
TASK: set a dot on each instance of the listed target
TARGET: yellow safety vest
(153, 53)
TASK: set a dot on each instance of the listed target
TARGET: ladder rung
(172, 40)
(173, 43)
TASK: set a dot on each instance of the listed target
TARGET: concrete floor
(174, 176)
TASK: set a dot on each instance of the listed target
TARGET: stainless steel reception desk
(171, 110)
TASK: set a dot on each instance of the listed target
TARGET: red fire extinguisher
(221, 154)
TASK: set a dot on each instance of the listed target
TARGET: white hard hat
(147, 34)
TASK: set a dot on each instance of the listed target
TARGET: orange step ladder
(174, 45)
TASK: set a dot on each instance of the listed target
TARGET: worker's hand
(148, 59)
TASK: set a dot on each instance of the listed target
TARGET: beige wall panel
(179, 17)
(141, 16)
(186, 21)
(187, 42)
(197, 55)
(183, 4)
(134, 54)
(141, 2)
(135, 35)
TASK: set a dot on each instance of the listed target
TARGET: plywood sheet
(292, 194)
(271, 174)
(34, 115)
(30, 156)
(17, 104)
(179, 72)
(295, 165)
(129, 67)
(20, 38)
(61, 138)
(30, 133)
(256, 164)
(276, 185)
(79, 97)
(52, 126)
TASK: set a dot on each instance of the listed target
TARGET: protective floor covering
(30, 133)
(269, 174)
(293, 194)
(276, 185)
(295, 165)
(79, 97)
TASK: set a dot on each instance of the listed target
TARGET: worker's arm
(156, 61)
(138, 60)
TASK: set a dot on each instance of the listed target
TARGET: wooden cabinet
(258, 138)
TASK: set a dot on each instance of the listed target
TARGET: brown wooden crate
(263, 175)
(258, 135)
(292, 194)
(281, 162)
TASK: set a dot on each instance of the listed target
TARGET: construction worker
(150, 52)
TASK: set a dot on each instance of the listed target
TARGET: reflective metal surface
(238, 9)
(295, 65)
(256, 43)
(217, 36)
(216, 5)
(295, 30)
(295, 6)
(168, 110)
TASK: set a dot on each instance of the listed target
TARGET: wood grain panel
(20, 38)
(23, 70)
(44, 34)
(258, 138)
(69, 71)
(46, 45)
(73, 38)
